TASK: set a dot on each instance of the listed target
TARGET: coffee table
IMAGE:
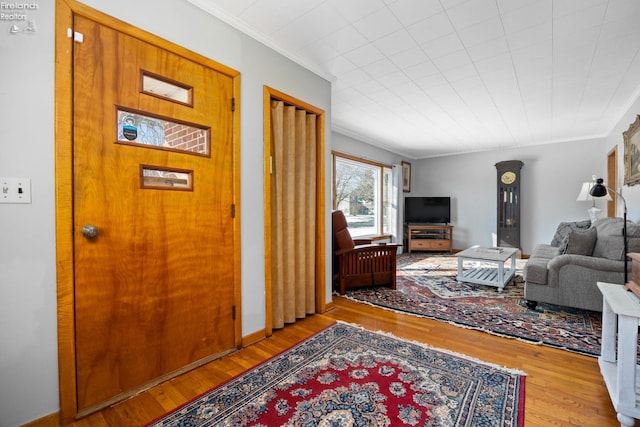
(496, 275)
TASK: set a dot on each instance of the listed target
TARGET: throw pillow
(564, 228)
(610, 243)
(580, 242)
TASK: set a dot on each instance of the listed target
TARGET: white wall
(552, 176)
(28, 334)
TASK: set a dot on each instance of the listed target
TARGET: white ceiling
(427, 78)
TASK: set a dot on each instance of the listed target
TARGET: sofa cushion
(633, 237)
(536, 270)
(610, 242)
(564, 228)
(634, 240)
(542, 250)
(580, 242)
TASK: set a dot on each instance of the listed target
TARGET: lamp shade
(599, 190)
(584, 195)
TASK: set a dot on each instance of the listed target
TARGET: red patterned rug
(348, 376)
(427, 286)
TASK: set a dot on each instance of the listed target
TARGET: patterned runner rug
(348, 376)
(427, 286)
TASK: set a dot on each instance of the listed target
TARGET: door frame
(612, 179)
(64, 13)
(320, 261)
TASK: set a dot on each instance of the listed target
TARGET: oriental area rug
(348, 376)
(427, 286)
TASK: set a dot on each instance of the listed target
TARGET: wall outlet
(15, 190)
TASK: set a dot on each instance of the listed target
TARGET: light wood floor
(562, 388)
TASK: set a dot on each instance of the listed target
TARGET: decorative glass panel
(136, 128)
(165, 88)
(166, 178)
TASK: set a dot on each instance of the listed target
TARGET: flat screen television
(433, 210)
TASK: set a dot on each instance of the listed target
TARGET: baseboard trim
(330, 306)
(51, 420)
(253, 338)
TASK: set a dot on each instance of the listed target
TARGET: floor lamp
(600, 190)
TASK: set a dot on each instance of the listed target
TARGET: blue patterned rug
(427, 286)
(348, 376)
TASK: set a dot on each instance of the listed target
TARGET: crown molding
(241, 26)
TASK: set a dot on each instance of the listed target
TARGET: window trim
(380, 208)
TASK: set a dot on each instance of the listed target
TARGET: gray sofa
(565, 272)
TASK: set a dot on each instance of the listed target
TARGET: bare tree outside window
(354, 188)
(358, 194)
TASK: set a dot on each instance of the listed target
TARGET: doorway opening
(294, 209)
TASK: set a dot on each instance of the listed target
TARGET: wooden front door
(152, 215)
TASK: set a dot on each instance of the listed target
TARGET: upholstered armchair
(359, 263)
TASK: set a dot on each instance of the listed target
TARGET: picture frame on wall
(632, 153)
(406, 176)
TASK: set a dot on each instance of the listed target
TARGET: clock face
(508, 177)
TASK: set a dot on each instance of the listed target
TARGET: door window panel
(156, 132)
(164, 88)
(165, 178)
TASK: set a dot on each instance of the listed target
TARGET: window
(362, 191)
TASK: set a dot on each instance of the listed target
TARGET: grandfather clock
(509, 203)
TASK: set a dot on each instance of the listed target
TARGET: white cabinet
(618, 361)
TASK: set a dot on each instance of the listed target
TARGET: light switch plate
(15, 190)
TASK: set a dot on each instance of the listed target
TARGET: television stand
(429, 237)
